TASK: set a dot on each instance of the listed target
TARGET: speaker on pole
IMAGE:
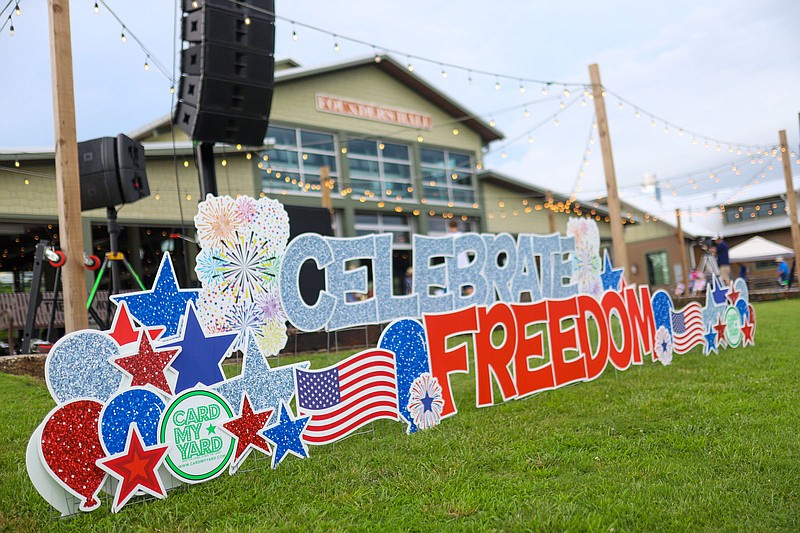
(227, 70)
(112, 172)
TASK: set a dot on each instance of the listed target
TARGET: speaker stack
(227, 70)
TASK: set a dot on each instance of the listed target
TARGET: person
(783, 272)
(409, 281)
(723, 260)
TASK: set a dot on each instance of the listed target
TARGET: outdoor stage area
(708, 442)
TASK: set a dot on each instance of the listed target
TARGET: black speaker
(112, 172)
(309, 220)
(227, 71)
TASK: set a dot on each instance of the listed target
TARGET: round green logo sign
(733, 327)
(192, 425)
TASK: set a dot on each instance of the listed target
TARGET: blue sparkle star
(285, 435)
(164, 304)
(427, 402)
(610, 276)
(267, 388)
(711, 341)
(201, 356)
(711, 311)
(719, 292)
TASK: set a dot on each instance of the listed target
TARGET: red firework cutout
(70, 449)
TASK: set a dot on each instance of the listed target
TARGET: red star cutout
(245, 428)
(733, 295)
(747, 332)
(136, 469)
(720, 329)
(124, 330)
(146, 367)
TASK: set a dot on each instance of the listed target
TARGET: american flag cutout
(348, 395)
(687, 328)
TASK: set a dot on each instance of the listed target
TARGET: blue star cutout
(267, 388)
(164, 304)
(427, 402)
(201, 356)
(711, 341)
(610, 276)
(285, 435)
(719, 292)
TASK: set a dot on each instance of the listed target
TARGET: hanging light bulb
(444, 72)
(410, 67)
(11, 30)
(247, 20)
(492, 122)
(566, 91)
(521, 87)
(562, 105)
(653, 123)
(526, 113)
(294, 33)
(335, 44)
(122, 36)
(556, 122)
(147, 64)
(637, 114)
(620, 106)
(96, 8)
(17, 10)
(469, 77)
(496, 84)
(545, 89)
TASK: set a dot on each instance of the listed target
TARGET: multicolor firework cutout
(148, 406)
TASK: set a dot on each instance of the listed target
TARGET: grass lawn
(706, 443)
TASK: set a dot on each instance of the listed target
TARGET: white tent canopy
(758, 249)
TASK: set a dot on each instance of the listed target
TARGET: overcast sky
(724, 69)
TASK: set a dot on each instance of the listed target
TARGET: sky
(725, 73)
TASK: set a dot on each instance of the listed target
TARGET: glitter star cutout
(747, 333)
(136, 470)
(733, 294)
(164, 304)
(124, 330)
(266, 387)
(719, 327)
(147, 366)
(246, 430)
(611, 276)
(711, 341)
(285, 434)
(201, 355)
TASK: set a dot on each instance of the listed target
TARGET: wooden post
(791, 199)
(68, 186)
(612, 198)
(684, 256)
(551, 215)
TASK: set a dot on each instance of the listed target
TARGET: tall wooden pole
(612, 197)
(791, 200)
(684, 256)
(68, 186)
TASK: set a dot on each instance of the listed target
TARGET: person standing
(783, 272)
(723, 260)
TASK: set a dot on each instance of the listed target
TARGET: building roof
(386, 64)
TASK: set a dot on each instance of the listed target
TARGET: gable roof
(386, 64)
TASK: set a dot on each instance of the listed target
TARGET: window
(398, 225)
(380, 169)
(657, 268)
(438, 225)
(743, 213)
(293, 165)
(447, 177)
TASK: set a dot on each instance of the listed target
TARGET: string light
(247, 20)
(444, 73)
(11, 30)
(497, 84)
(294, 33)
(521, 87)
(17, 10)
(96, 8)
(146, 64)
(335, 44)
(122, 35)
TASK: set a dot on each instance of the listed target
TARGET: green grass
(709, 443)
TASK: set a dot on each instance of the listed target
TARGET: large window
(293, 165)
(380, 169)
(657, 268)
(743, 213)
(447, 177)
(401, 227)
